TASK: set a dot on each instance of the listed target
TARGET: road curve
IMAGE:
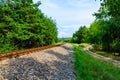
(115, 62)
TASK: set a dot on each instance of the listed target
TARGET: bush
(116, 46)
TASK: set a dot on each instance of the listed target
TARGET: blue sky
(69, 14)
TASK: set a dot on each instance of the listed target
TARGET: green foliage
(65, 39)
(116, 46)
(104, 32)
(110, 13)
(113, 7)
(93, 69)
(80, 36)
(23, 25)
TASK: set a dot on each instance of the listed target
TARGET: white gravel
(51, 64)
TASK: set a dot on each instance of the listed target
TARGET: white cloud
(79, 3)
(67, 15)
(48, 4)
(67, 30)
(70, 15)
(51, 5)
(73, 26)
(64, 34)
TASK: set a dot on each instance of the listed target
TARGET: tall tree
(80, 36)
(23, 25)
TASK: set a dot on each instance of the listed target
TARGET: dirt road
(115, 62)
(51, 64)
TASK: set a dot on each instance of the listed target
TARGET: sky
(69, 14)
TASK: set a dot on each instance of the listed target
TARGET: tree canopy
(23, 25)
(104, 32)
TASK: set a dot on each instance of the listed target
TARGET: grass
(90, 68)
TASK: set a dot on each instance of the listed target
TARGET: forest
(23, 25)
(104, 32)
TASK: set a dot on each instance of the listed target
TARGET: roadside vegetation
(90, 68)
(64, 39)
(23, 25)
(104, 32)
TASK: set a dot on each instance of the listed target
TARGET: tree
(109, 14)
(23, 25)
(80, 36)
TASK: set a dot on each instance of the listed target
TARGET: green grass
(90, 68)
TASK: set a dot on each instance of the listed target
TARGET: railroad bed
(18, 53)
(56, 63)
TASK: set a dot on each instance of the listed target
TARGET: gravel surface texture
(51, 64)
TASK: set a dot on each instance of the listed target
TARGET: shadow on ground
(31, 69)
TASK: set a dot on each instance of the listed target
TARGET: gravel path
(51, 64)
